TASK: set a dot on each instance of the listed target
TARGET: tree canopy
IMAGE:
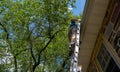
(33, 35)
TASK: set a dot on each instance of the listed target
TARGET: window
(108, 30)
(117, 43)
(112, 67)
(114, 23)
(114, 37)
(103, 57)
(116, 11)
(106, 62)
(115, 30)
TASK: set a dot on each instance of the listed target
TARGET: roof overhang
(93, 15)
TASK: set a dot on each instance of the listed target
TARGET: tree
(34, 32)
(77, 17)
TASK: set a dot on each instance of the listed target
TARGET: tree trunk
(15, 63)
(34, 66)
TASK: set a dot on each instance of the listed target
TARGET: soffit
(91, 24)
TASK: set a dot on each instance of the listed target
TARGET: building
(100, 36)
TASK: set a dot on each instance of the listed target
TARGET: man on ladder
(71, 30)
(72, 35)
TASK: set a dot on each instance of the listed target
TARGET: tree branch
(7, 34)
(31, 51)
(44, 48)
(30, 44)
(47, 44)
(16, 65)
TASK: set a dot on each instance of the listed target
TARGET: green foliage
(34, 33)
(77, 17)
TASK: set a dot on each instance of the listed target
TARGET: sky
(79, 7)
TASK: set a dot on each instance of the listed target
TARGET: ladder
(75, 47)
